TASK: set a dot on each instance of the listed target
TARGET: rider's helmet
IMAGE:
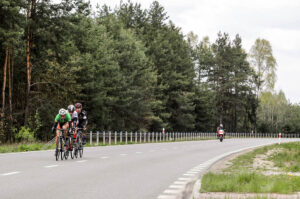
(221, 125)
(71, 108)
(62, 111)
(78, 105)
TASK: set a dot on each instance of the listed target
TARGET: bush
(25, 135)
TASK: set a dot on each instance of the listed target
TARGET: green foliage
(133, 70)
(25, 135)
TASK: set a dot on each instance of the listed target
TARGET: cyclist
(62, 119)
(74, 119)
(82, 119)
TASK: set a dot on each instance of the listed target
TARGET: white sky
(277, 21)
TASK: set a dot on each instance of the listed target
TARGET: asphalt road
(141, 171)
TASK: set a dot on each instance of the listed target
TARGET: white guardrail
(113, 138)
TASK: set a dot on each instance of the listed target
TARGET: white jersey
(74, 115)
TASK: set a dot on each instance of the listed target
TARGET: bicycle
(60, 149)
(79, 145)
(69, 147)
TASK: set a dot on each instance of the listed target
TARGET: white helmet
(62, 111)
(221, 125)
(71, 108)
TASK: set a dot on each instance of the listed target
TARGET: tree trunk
(10, 63)
(4, 81)
(30, 12)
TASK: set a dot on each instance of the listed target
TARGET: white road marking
(179, 182)
(152, 150)
(104, 157)
(185, 179)
(80, 161)
(196, 170)
(165, 197)
(192, 172)
(138, 152)
(188, 174)
(172, 191)
(123, 154)
(176, 186)
(50, 166)
(10, 173)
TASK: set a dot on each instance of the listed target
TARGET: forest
(132, 69)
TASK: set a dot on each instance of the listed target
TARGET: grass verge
(242, 177)
(22, 147)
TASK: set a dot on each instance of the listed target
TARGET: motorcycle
(221, 135)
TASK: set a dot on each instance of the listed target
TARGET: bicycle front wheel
(62, 150)
(80, 147)
(57, 151)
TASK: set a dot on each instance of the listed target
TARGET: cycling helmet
(221, 125)
(71, 108)
(62, 112)
(78, 105)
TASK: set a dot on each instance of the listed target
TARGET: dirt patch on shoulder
(224, 163)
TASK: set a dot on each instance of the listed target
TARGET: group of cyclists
(70, 121)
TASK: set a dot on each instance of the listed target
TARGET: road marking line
(192, 172)
(123, 154)
(50, 166)
(104, 157)
(152, 150)
(185, 179)
(172, 191)
(188, 174)
(138, 152)
(10, 173)
(177, 186)
(80, 161)
(179, 182)
(165, 197)
(196, 170)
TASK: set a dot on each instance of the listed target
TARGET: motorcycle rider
(219, 129)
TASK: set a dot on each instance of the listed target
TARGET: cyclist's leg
(65, 127)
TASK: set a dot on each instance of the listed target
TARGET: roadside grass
(250, 182)
(288, 159)
(241, 177)
(22, 147)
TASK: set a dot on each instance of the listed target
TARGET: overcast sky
(277, 21)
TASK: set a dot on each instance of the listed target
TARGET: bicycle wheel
(76, 148)
(72, 149)
(62, 149)
(57, 151)
(66, 149)
(80, 147)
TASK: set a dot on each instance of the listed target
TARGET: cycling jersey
(62, 122)
(82, 119)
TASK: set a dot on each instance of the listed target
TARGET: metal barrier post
(121, 135)
(135, 137)
(131, 136)
(103, 137)
(109, 137)
(115, 137)
(126, 135)
(140, 137)
(91, 137)
(97, 142)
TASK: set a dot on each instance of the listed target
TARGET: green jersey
(62, 122)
